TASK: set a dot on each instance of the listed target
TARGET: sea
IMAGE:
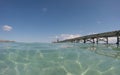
(59, 59)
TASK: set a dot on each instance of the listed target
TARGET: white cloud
(7, 28)
(68, 36)
(92, 33)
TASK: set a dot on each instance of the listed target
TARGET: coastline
(6, 41)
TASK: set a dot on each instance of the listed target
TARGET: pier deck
(100, 36)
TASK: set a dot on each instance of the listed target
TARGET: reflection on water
(58, 59)
(106, 50)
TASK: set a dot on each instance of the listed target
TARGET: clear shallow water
(58, 59)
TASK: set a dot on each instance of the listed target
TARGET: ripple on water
(54, 71)
(73, 67)
(92, 72)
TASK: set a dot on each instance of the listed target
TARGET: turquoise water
(59, 59)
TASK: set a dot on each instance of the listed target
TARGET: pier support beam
(84, 40)
(93, 40)
(97, 40)
(106, 40)
(118, 40)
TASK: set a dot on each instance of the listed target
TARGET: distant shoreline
(6, 41)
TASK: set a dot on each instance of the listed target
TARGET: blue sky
(43, 20)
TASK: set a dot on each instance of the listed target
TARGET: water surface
(59, 59)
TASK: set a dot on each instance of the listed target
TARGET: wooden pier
(95, 38)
